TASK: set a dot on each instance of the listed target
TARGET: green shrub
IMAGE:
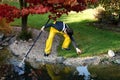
(24, 35)
(107, 17)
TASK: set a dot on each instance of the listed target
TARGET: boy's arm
(75, 45)
(46, 26)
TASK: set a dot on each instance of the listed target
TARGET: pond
(56, 71)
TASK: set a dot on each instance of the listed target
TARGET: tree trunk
(24, 23)
(24, 18)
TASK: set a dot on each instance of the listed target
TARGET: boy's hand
(42, 29)
(78, 51)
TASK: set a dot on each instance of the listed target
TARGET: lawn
(91, 40)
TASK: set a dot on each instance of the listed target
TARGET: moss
(4, 54)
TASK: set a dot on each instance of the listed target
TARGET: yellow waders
(49, 41)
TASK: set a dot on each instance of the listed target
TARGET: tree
(55, 7)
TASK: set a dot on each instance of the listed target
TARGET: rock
(118, 61)
(30, 40)
(1, 36)
(111, 53)
(60, 60)
(5, 44)
(16, 42)
(5, 41)
(1, 47)
(2, 78)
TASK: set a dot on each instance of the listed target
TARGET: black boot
(46, 55)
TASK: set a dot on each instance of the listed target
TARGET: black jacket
(59, 25)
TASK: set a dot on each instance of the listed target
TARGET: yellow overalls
(51, 36)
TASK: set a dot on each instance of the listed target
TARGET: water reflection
(62, 72)
(83, 71)
(15, 63)
(57, 71)
(50, 72)
(44, 72)
(105, 72)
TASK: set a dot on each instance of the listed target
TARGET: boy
(62, 28)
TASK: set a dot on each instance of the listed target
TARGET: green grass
(91, 40)
(12, 3)
(34, 21)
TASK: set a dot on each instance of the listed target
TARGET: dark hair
(69, 31)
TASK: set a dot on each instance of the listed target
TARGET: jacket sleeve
(73, 42)
(48, 25)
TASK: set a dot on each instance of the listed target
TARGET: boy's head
(69, 31)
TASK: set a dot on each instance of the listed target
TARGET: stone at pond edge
(117, 61)
(1, 36)
(60, 60)
(1, 47)
(111, 53)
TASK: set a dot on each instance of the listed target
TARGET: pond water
(57, 71)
